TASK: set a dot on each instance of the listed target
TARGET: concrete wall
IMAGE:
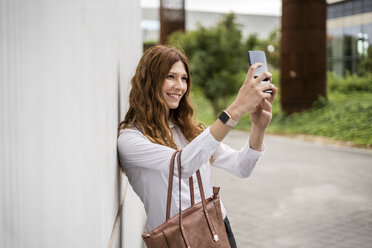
(62, 64)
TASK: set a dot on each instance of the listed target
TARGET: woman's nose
(179, 83)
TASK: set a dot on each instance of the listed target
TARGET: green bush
(346, 117)
(346, 114)
(349, 83)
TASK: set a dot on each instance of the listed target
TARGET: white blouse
(147, 167)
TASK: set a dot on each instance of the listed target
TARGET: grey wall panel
(61, 63)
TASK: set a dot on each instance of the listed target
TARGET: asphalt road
(301, 194)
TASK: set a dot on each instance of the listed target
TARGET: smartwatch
(226, 119)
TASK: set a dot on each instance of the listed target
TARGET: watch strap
(225, 117)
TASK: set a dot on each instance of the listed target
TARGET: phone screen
(258, 57)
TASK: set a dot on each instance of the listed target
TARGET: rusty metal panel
(303, 54)
(172, 18)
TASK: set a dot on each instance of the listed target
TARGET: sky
(259, 7)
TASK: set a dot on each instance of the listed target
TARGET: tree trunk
(303, 54)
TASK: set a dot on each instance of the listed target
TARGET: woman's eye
(184, 78)
(170, 76)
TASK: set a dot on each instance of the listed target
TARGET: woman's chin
(173, 105)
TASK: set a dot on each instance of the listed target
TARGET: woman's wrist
(256, 138)
(234, 113)
(258, 129)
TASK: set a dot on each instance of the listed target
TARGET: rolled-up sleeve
(135, 150)
(240, 163)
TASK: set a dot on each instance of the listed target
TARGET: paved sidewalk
(302, 195)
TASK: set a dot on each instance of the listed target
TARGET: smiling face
(175, 85)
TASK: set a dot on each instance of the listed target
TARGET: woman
(160, 121)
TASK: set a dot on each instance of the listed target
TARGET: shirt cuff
(253, 153)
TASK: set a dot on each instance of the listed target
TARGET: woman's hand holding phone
(252, 93)
(262, 115)
(255, 98)
(259, 57)
(252, 99)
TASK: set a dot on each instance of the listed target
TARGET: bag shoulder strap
(170, 185)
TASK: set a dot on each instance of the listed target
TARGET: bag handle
(187, 242)
(191, 183)
(170, 185)
(210, 224)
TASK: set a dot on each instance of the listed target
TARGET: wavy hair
(147, 108)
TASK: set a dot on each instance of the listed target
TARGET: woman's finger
(266, 86)
(252, 68)
(266, 105)
(263, 76)
(273, 96)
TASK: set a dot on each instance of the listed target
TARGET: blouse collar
(170, 123)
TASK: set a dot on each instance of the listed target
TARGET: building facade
(349, 34)
(261, 25)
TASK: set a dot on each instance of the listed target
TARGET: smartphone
(259, 56)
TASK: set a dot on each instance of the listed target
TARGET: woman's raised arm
(249, 100)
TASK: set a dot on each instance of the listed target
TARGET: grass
(345, 116)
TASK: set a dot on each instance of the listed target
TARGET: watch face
(224, 117)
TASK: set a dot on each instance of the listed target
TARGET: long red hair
(147, 108)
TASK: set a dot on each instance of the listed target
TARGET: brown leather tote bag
(199, 226)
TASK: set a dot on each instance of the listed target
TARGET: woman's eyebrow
(172, 72)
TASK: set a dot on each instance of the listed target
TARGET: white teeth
(174, 96)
